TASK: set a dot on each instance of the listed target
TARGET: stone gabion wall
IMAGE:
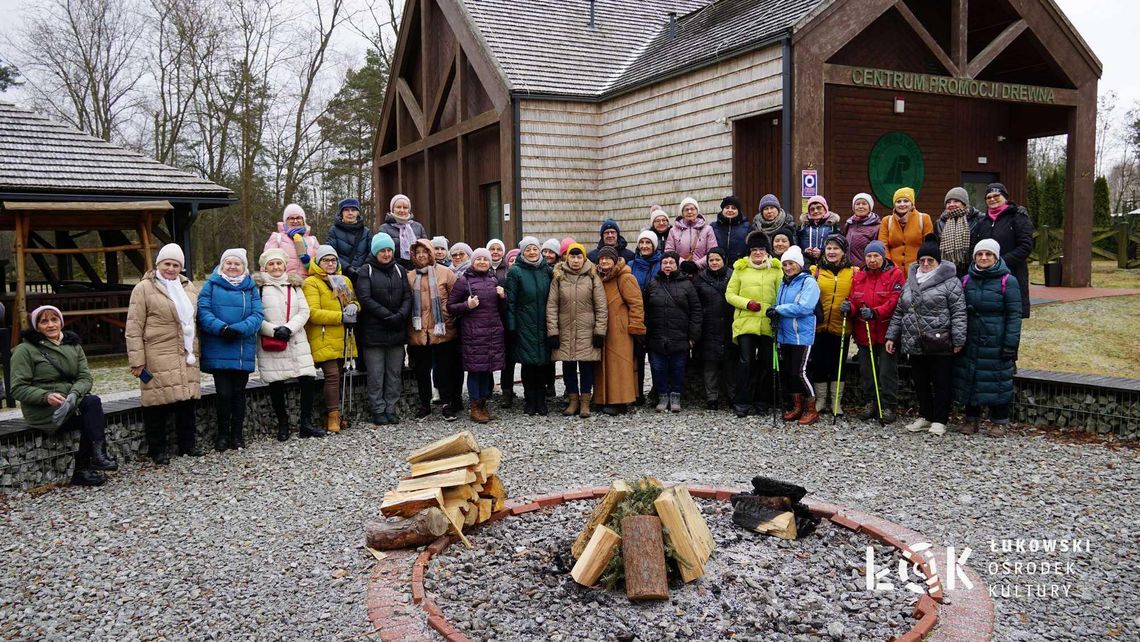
(33, 459)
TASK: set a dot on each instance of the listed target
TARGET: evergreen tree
(1102, 211)
(1032, 198)
(9, 76)
(349, 125)
(1053, 198)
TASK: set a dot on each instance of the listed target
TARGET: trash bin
(1053, 274)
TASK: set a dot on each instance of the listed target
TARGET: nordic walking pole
(839, 378)
(777, 402)
(874, 370)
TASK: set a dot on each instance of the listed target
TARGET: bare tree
(378, 22)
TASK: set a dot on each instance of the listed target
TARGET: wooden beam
(481, 61)
(485, 119)
(1079, 175)
(21, 311)
(83, 208)
(998, 45)
(926, 38)
(65, 240)
(959, 29)
(842, 75)
(82, 250)
(411, 105)
(436, 103)
(389, 107)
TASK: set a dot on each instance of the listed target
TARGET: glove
(771, 313)
(753, 306)
(845, 307)
(282, 333)
(348, 319)
(60, 415)
(867, 313)
(690, 268)
(599, 340)
(1008, 355)
(553, 342)
(349, 272)
(638, 342)
(229, 333)
(352, 309)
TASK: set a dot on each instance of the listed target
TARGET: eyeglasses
(926, 260)
(992, 196)
(458, 255)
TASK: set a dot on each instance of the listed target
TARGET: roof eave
(204, 202)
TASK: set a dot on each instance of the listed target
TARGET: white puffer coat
(297, 359)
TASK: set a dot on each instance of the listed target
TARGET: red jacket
(878, 290)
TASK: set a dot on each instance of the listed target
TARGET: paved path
(1040, 295)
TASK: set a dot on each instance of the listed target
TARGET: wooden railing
(1117, 242)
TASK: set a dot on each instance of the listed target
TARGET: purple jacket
(859, 234)
(480, 328)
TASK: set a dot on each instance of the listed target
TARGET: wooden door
(756, 145)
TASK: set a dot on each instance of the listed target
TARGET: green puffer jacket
(983, 376)
(34, 376)
(749, 283)
(527, 289)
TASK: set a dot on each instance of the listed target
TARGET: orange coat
(903, 241)
(615, 377)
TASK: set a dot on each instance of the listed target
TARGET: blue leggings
(578, 376)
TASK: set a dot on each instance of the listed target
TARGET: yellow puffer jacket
(834, 288)
(752, 284)
(325, 329)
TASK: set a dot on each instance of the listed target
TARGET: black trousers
(793, 370)
(932, 375)
(825, 351)
(230, 400)
(308, 394)
(92, 427)
(754, 370)
(440, 361)
(534, 382)
(155, 420)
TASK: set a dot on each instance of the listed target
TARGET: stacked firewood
(452, 484)
(774, 508)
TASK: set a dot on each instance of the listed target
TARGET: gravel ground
(266, 543)
(754, 588)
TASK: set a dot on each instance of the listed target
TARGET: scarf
(407, 234)
(436, 310)
(185, 309)
(235, 281)
(995, 212)
(923, 277)
(769, 227)
(339, 287)
(460, 268)
(763, 265)
(955, 243)
(282, 280)
(535, 263)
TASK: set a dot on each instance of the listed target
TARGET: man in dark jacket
(350, 237)
(386, 302)
(731, 229)
(1007, 223)
(673, 319)
(610, 234)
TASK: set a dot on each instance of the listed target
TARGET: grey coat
(935, 306)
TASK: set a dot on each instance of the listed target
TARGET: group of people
(763, 308)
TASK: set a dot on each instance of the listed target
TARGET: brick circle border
(960, 615)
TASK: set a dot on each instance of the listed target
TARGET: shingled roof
(38, 155)
(548, 47)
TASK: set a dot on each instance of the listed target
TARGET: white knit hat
(498, 242)
(35, 315)
(650, 235)
(526, 240)
(793, 253)
(864, 196)
(172, 252)
(234, 253)
(552, 244)
(988, 244)
(689, 200)
(440, 242)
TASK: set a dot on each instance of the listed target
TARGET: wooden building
(512, 117)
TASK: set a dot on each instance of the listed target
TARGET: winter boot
(918, 425)
(221, 441)
(573, 400)
(332, 422)
(306, 429)
(675, 401)
(870, 412)
(821, 397)
(84, 475)
(479, 411)
(508, 397)
(237, 436)
(423, 412)
(889, 416)
(584, 404)
(282, 428)
(810, 413)
(100, 460)
(662, 403)
(797, 408)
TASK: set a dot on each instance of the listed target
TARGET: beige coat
(444, 281)
(576, 311)
(615, 379)
(154, 340)
(296, 360)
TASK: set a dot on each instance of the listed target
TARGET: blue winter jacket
(795, 303)
(645, 269)
(219, 305)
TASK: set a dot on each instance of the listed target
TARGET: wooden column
(21, 311)
(145, 227)
(1079, 169)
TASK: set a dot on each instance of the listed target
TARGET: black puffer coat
(672, 313)
(1013, 231)
(732, 235)
(983, 372)
(716, 313)
(351, 243)
(937, 305)
(385, 304)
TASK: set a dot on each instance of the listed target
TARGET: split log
(769, 487)
(471, 514)
(408, 504)
(447, 463)
(643, 552)
(417, 530)
(754, 514)
(485, 506)
(597, 554)
(438, 480)
(493, 487)
(686, 550)
(491, 458)
(618, 490)
(457, 444)
(695, 522)
(463, 492)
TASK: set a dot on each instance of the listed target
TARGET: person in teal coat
(527, 286)
(983, 371)
(230, 315)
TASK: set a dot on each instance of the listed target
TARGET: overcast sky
(1110, 27)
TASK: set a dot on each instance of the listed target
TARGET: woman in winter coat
(576, 326)
(954, 227)
(460, 257)
(1009, 224)
(615, 384)
(731, 230)
(782, 239)
(404, 231)
(659, 225)
(549, 250)
(647, 263)
(818, 223)
(929, 325)
(286, 313)
(875, 292)
(794, 320)
(983, 374)
(751, 291)
(385, 305)
(294, 238)
(162, 342)
(673, 319)
(333, 312)
(715, 349)
(691, 237)
(903, 230)
(432, 345)
(52, 382)
(834, 275)
(477, 301)
(350, 237)
(528, 286)
(861, 228)
(439, 250)
(230, 316)
(770, 218)
(498, 252)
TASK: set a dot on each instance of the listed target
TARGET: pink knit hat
(565, 244)
(35, 315)
(292, 209)
(818, 199)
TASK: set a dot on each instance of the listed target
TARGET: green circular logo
(895, 161)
